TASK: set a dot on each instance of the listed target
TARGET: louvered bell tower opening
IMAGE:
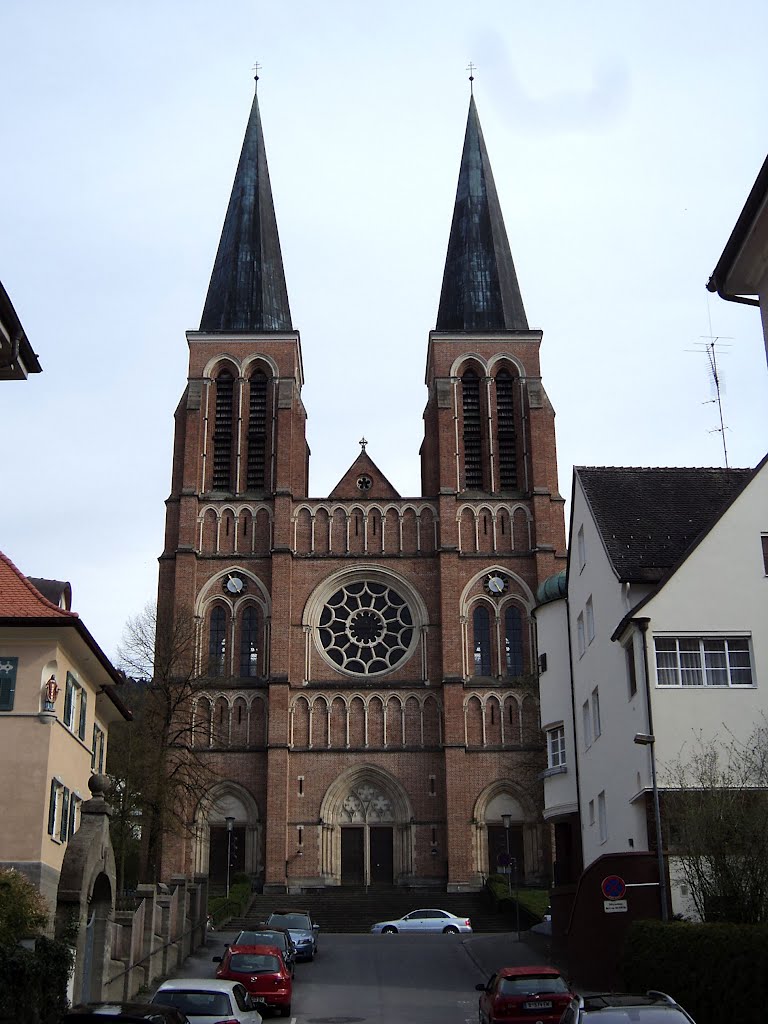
(222, 433)
(505, 420)
(257, 433)
(473, 461)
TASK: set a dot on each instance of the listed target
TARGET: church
(366, 663)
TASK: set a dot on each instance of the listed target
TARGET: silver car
(302, 929)
(425, 921)
(209, 1000)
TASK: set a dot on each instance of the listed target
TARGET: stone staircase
(347, 909)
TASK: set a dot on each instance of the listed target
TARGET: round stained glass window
(366, 628)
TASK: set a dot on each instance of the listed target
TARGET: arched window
(505, 427)
(473, 463)
(481, 625)
(249, 642)
(222, 432)
(257, 433)
(513, 641)
(217, 642)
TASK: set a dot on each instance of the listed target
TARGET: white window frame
(586, 722)
(597, 727)
(688, 669)
(602, 816)
(556, 747)
(97, 749)
(75, 712)
(590, 617)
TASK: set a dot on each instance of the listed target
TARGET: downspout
(663, 894)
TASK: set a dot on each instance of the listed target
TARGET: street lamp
(507, 819)
(230, 825)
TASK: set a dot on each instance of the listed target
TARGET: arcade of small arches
(366, 721)
(401, 528)
(230, 720)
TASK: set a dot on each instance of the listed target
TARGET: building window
(59, 811)
(8, 669)
(505, 419)
(301, 785)
(481, 625)
(580, 634)
(222, 432)
(217, 641)
(591, 812)
(556, 747)
(97, 750)
(366, 627)
(596, 727)
(590, 619)
(586, 722)
(75, 706)
(473, 465)
(764, 542)
(629, 653)
(513, 640)
(602, 820)
(432, 789)
(703, 661)
(74, 814)
(581, 548)
(249, 642)
(257, 432)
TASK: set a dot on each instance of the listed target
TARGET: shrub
(23, 911)
(221, 908)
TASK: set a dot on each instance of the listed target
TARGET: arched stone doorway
(366, 824)
(523, 839)
(86, 895)
(213, 847)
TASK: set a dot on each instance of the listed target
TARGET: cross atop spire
(471, 69)
(362, 442)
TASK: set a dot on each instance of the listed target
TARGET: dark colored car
(624, 1008)
(266, 935)
(302, 928)
(125, 1013)
(513, 995)
(264, 973)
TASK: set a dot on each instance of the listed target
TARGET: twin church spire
(247, 292)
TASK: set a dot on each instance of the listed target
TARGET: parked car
(425, 921)
(123, 1013)
(302, 928)
(264, 934)
(611, 1007)
(517, 994)
(209, 1000)
(262, 970)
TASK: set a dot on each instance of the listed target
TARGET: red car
(262, 970)
(524, 995)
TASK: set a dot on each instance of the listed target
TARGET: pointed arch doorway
(367, 829)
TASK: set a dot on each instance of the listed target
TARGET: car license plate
(541, 1004)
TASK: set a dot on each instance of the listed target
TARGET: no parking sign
(614, 887)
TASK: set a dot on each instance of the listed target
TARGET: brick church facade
(367, 695)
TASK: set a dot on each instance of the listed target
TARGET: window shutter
(69, 695)
(8, 667)
(64, 815)
(72, 814)
(94, 741)
(83, 702)
(52, 808)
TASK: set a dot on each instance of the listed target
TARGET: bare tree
(159, 772)
(716, 809)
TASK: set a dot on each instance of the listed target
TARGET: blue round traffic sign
(614, 887)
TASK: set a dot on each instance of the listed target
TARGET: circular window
(366, 628)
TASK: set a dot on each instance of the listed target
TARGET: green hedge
(33, 983)
(533, 902)
(221, 908)
(716, 971)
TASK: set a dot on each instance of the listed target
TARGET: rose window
(366, 628)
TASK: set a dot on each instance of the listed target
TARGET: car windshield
(532, 983)
(257, 939)
(194, 1003)
(291, 921)
(254, 963)
(637, 1015)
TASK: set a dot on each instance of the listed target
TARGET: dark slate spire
(247, 290)
(480, 290)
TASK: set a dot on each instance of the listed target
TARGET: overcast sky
(624, 139)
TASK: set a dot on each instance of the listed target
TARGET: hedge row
(33, 983)
(221, 908)
(716, 971)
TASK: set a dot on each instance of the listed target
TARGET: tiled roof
(19, 599)
(648, 518)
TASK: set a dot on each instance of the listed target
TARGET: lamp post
(507, 819)
(230, 825)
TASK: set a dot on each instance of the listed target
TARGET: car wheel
(450, 930)
(389, 930)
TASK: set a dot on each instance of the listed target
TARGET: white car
(208, 1000)
(425, 921)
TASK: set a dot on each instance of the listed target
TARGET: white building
(657, 631)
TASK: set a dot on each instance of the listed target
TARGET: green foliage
(716, 971)
(33, 983)
(221, 908)
(23, 911)
(533, 902)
